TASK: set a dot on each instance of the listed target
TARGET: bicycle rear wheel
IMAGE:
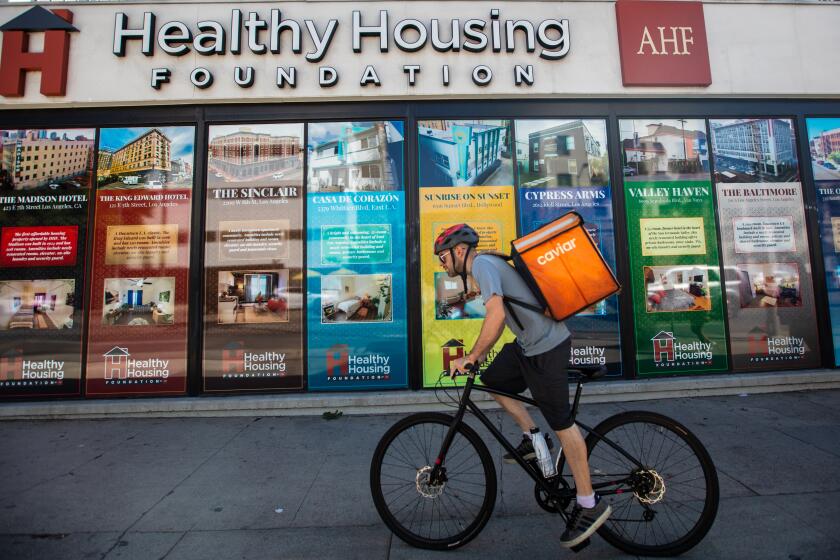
(671, 503)
(425, 515)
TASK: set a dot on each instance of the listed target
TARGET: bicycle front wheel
(424, 513)
(670, 503)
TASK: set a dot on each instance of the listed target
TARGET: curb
(385, 402)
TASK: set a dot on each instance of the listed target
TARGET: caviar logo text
(558, 250)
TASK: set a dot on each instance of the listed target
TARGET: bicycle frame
(544, 484)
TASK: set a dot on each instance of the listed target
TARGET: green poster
(675, 273)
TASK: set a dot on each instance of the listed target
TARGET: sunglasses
(442, 256)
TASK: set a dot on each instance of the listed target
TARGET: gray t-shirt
(539, 333)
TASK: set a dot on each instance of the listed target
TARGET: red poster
(137, 341)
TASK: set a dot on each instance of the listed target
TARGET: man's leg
(519, 413)
(574, 448)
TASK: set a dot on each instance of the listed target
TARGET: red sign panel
(38, 246)
(662, 43)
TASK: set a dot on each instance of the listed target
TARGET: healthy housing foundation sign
(207, 47)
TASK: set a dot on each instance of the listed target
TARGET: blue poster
(824, 144)
(562, 166)
(357, 316)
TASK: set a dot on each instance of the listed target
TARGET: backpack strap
(509, 301)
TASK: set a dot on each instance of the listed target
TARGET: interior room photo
(355, 297)
(769, 285)
(139, 301)
(253, 296)
(676, 288)
(37, 304)
(449, 300)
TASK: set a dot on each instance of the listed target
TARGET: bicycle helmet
(455, 235)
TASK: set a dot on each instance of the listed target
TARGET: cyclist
(538, 360)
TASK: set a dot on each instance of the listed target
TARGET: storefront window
(673, 250)
(137, 339)
(824, 148)
(460, 183)
(764, 243)
(45, 182)
(253, 258)
(357, 322)
(552, 183)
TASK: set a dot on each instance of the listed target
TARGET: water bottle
(543, 454)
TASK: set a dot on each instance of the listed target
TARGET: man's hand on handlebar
(460, 365)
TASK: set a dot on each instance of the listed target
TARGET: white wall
(773, 50)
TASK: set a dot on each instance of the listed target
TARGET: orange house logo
(663, 345)
(451, 351)
(338, 360)
(757, 342)
(11, 365)
(16, 59)
(233, 358)
(116, 363)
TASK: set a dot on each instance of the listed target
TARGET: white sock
(586, 501)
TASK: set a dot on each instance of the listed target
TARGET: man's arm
(491, 329)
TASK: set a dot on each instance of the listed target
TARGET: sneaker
(526, 449)
(583, 522)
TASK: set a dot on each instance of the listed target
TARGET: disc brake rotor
(427, 490)
(651, 489)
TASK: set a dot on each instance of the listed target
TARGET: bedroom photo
(769, 285)
(37, 304)
(137, 302)
(676, 288)
(356, 298)
(253, 296)
(450, 301)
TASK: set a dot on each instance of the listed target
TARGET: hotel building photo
(242, 197)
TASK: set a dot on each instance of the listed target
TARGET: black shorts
(544, 374)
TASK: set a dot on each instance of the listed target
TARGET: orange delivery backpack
(563, 267)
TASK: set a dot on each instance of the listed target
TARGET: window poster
(824, 145)
(45, 181)
(467, 177)
(357, 308)
(137, 337)
(253, 320)
(462, 153)
(562, 166)
(674, 266)
(764, 243)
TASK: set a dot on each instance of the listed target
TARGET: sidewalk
(297, 487)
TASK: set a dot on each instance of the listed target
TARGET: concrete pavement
(297, 487)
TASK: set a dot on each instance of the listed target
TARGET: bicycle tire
(636, 432)
(424, 433)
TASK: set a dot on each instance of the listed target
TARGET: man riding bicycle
(537, 360)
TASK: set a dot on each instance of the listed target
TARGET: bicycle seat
(589, 373)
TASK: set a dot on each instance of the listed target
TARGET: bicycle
(434, 482)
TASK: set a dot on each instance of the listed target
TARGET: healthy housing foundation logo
(764, 348)
(17, 371)
(122, 369)
(343, 366)
(668, 351)
(239, 363)
(52, 62)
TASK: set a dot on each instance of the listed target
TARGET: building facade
(251, 206)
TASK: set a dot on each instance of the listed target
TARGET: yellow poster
(451, 325)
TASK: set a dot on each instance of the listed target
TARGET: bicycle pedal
(581, 545)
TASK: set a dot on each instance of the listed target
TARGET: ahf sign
(662, 43)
